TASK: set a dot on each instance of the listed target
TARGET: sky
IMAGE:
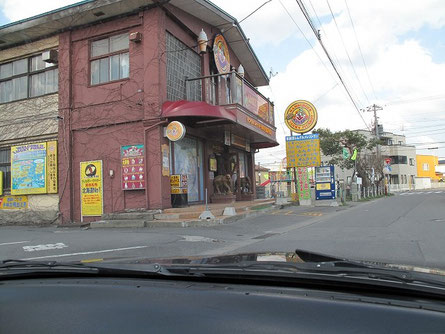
(395, 58)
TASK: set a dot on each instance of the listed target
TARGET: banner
(133, 167)
(1, 183)
(304, 190)
(51, 164)
(28, 169)
(13, 202)
(91, 188)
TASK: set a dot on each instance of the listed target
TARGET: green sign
(345, 153)
(354, 155)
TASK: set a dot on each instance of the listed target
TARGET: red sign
(133, 167)
(388, 161)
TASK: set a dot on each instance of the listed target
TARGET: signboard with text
(303, 151)
(133, 167)
(91, 188)
(13, 202)
(51, 164)
(304, 189)
(28, 169)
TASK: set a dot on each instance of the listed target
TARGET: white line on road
(57, 245)
(438, 192)
(85, 253)
(14, 243)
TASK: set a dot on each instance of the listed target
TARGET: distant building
(402, 167)
(426, 166)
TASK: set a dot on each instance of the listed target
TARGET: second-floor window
(110, 59)
(27, 77)
(399, 159)
(411, 161)
(426, 167)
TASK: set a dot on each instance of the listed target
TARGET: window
(28, 77)
(411, 161)
(390, 142)
(399, 159)
(426, 167)
(5, 167)
(110, 59)
(181, 65)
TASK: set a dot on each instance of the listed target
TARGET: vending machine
(324, 182)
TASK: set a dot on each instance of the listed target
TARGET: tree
(332, 144)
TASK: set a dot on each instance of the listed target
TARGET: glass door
(188, 160)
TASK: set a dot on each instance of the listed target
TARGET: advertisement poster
(13, 202)
(51, 164)
(304, 190)
(1, 183)
(178, 184)
(133, 167)
(91, 188)
(165, 160)
(28, 169)
(303, 151)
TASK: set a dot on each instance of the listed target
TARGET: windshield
(141, 130)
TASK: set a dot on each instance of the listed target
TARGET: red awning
(265, 183)
(196, 108)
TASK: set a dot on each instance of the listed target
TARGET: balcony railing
(230, 88)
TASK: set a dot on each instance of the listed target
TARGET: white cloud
(20, 9)
(399, 67)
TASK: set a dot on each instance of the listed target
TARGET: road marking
(420, 192)
(429, 192)
(14, 243)
(196, 238)
(86, 253)
(289, 212)
(91, 260)
(57, 245)
(438, 192)
(311, 214)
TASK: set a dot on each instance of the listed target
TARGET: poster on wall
(165, 160)
(91, 188)
(28, 169)
(13, 202)
(304, 190)
(51, 163)
(133, 167)
(1, 183)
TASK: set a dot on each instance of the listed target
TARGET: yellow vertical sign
(51, 163)
(91, 188)
(1, 183)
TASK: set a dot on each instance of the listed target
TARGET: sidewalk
(189, 216)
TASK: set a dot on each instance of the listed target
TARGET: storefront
(217, 153)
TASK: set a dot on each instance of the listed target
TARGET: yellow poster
(28, 169)
(51, 163)
(303, 151)
(91, 188)
(13, 202)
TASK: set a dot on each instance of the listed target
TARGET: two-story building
(28, 127)
(131, 74)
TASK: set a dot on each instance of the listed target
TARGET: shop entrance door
(188, 160)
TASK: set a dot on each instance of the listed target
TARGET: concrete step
(129, 216)
(184, 215)
(130, 223)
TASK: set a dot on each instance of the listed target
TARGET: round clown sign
(175, 131)
(300, 116)
(221, 54)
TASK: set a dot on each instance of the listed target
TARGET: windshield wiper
(12, 267)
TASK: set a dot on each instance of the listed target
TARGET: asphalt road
(407, 228)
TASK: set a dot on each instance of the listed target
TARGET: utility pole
(374, 108)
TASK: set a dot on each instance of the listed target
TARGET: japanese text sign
(91, 188)
(133, 167)
(303, 151)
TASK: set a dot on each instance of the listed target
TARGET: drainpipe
(146, 153)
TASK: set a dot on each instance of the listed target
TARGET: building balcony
(231, 91)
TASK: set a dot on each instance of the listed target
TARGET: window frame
(7, 190)
(28, 74)
(108, 55)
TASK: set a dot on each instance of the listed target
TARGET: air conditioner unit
(135, 37)
(50, 56)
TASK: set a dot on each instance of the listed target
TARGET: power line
(416, 99)
(360, 50)
(346, 50)
(307, 40)
(316, 33)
